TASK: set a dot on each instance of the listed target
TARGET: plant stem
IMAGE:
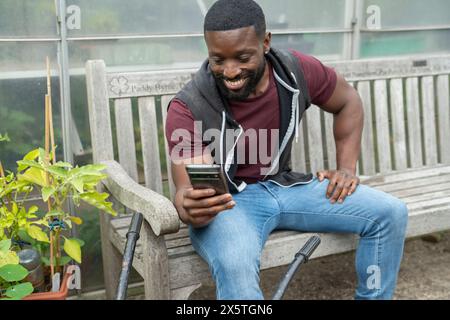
(52, 268)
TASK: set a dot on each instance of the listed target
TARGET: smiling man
(244, 85)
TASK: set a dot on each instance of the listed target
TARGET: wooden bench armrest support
(156, 209)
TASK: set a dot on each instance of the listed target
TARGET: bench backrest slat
(99, 115)
(382, 126)
(429, 121)
(150, 145)
(125, 136)
(444, 117)
(367, 147)
(329, 137)
(314, 136)
(398, 124)
(164, 103)
(414, 126)
(298, 160)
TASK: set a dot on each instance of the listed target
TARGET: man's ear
(267, 41)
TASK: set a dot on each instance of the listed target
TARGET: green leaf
(63, 164)
(57, 171)
(20, 291)
(8, 257)
(93, 168)
(78, 184)
(72, 248)
(15, 208)
(33, 209)
(41, 155)
(23, 164)
(36, 233)
(32, 155)
(24, 236)
(4, 138)
(80, 242)
(98, 200)
(13, 272)
(33, 175)
(76, 220)
(47, 192)
(5, 245)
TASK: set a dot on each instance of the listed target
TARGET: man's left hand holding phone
(197, 207)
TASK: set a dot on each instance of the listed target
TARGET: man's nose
(231, 70)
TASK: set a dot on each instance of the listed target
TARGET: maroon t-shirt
(257, 113)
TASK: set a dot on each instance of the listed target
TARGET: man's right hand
(199, 207)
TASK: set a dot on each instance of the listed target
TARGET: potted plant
(12, 274)
(47, 232)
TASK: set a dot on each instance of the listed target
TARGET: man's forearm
(348, 125)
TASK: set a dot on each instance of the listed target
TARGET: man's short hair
(227, 15)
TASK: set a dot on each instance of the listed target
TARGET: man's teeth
(235, 83)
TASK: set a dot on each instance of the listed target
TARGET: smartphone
(205, 176)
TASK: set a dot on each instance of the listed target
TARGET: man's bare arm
(346, 105)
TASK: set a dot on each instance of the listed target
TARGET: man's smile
(235, 84)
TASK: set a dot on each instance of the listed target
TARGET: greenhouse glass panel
(379, 44)
(412, 13)
(25, 18)
(164, 53)
(23, 86)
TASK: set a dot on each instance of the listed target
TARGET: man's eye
(244, 59)
(217, 61)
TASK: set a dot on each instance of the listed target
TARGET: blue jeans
(232, 243)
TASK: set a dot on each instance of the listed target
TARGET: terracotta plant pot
(58, 295)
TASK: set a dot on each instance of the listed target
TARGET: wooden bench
(405, 151)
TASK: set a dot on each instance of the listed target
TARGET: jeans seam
(334, 214)
(261, 245)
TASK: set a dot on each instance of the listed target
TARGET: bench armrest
(156, 209)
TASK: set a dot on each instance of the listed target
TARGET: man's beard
(253, 79)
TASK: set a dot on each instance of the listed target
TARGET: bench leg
(156, 265)
(112, 259)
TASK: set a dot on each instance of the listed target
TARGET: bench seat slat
(405, 175)
(420, 190)
(413, 183)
